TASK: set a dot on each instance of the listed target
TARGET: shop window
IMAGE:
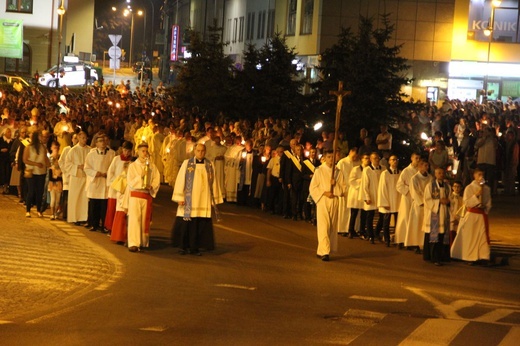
(20, 66)
(291, 17)
(241, 30)
(24, 6)
(308, 11)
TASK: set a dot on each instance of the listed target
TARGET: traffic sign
(114, 52)
(115, 39)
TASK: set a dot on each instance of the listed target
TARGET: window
(25, 6)
(308, 11)
(235, 29)
(241, 30)
(228, 30)
(291, 17)
(261, 25)
(20, 66)
(270, 24)
(251, 26)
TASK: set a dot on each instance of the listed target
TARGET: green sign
(11, 38)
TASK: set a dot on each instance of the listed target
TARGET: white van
(70, 75)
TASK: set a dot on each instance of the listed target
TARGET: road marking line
(65, 310)
(364, 314)
(511, 338)
(380, 299)
(434, 332)
(446, 310)
(259, 237)
(154, 329)
(495, 315)
(6, 322)
(236, 286)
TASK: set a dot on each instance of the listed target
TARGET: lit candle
(307, 153)
(243, 142)
(167, 150)
(110, 103)
(118, 105)
(264, 159)
(319, 156)
(143, 138)
(65, 128)
(31, 122)
(244, 154)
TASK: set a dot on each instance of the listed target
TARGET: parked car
(70, 75)
(8, 79)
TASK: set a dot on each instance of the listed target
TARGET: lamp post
(489, 33)
(126, 13)
(61, 13)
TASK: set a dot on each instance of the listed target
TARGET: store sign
(505, 20)
(11, 38)
(174, 55)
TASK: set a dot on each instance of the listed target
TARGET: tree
(270, 83)
(371, 69)
(206, 78)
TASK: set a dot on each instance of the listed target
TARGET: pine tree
(371, 69)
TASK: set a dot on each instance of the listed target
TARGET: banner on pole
(174, 56)
(11, 38)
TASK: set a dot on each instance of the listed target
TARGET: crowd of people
(97, 157)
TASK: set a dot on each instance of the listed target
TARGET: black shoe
(352, 235)
(104, 230)
(438, 264)
(182, 252)
(133, 249)
(387, 244)
(418, 251)
(286, 217)
(325, 258)
(93, 229)
(372, 240)
(343, 234)
(295, 218)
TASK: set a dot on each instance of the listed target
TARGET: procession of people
(98, 157)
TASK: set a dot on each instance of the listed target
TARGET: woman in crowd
(55, 180)
(36, 163)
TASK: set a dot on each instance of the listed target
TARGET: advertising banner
(505, 18)
(174, 56)
(11, 38)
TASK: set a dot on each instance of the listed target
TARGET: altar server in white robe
(436, 217)
(368, 194)
(387, 196)
(97, 162)
(405, 204)
(77, 208)
(354, 203)
(143, 182)
(232, 169)
(327, 205)
(345, 165)
(472, 240)
(414, 235)
(215, 152)
(66, 176)
(196, 192)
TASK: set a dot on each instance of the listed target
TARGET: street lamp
(129, 12)
(489, 33)
(61, 13)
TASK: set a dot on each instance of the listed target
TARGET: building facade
(40, 32)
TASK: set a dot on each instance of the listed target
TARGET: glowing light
(306, 153)
(244, 154)
(167, 150)
(319, 156)
(31, 122)
(318, 126)
(424, 136)
(264, 159)
(65, 128)
(110, 103)
(143, 138)
(243, 142)
(118, 105)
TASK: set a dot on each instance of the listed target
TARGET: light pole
(126, 13)
(489, 33)
(61, 13)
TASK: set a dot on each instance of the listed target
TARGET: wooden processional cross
(340, 93)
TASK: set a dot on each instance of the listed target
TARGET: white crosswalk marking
(434, 332)
(494, 315)
(512, 338)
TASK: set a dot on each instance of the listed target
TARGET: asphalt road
(263, 285)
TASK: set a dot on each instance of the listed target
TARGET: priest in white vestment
(77, 208)
(405, 204)
(414, 235)
(345, 165)
(356, 226)
(196, 192)
(66, 177)
(472, 240)
(215, 152)
(143, 182)
(388, 197)
(327, 205)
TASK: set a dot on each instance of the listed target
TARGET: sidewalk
(46, 264)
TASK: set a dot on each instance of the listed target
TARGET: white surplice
(98, 161)
(326, 208)
(368, 188)
(345, 165)
(405, 204)
(387, 195)
(414, 233)
(471, 244)
(77, 208)
(232, 171)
